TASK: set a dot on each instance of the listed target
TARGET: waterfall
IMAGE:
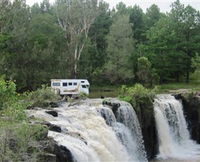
(93, 133)
(127, 128)
(174, 138)
(125, 114)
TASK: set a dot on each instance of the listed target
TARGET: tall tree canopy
(85, 39)
(120, 48)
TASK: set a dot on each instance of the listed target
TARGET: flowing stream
(174, 137)
(92, 132)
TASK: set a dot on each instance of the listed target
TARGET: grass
(113, 91)
(104, 91)
(164, 88)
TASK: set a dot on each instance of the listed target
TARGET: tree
(145, 74)
(196, 66)
(138, 27)
(75, 18)
(152, 16)
(118, 68)
(173, 41)
(187, 27)
(94, 56)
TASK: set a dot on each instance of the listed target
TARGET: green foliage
(42, 97)
(120, 48)
(137, 95)
(196, 66)
(145, 74)
(7, 92)
(19, 142)
(84, 39)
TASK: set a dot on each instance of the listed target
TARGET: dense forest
(87, 39)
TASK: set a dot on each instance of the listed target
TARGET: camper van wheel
(69, 95)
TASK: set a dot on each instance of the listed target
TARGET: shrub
(7, 92)
(21, 142)
(42, 97)
(137, 95)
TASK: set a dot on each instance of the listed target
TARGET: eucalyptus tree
(75, 17)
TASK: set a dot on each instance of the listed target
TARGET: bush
(21, 142)
(137, 95)
(42, 97)
(7, 92)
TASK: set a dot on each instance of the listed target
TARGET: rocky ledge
(191, 105)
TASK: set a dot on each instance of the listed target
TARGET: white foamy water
(91, 133)
(174, 138)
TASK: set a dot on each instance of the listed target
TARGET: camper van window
(75, 84)
(83, 86)
(64, 84)
(82, 81)
(70, 84)
(56, 84)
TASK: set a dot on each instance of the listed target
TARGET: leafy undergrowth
(20, 140)
(137, 95)
(42, 97)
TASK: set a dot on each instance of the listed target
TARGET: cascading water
(174, 137)
(125, 114)
(127, 128)
(91, 132)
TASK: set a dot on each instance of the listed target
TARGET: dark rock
(145, 113)
(63, 154)
(52, 127)
(54, 104)
(13, 144)
(53, 113)
(112, 104)
(191, 106)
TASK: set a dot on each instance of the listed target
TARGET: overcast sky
(164, 5)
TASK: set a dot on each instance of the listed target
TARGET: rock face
(145, 115)
(191, 105)
(63, 154)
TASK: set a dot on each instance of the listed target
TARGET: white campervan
(70, 86)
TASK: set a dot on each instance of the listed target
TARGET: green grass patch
(105, 91)
(166, 88)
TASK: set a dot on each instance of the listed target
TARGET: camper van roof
(72, 80)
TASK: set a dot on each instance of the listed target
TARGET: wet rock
(53, 113)
(145, 114)
(52, 127)
(191, 106)
(63, 154)
(54, 104)
(113, 104)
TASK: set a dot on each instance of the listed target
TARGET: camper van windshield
(84, 86)
(56, 84)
